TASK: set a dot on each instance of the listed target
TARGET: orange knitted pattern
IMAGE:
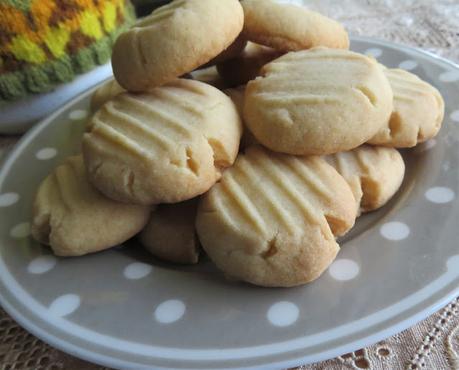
(46, 43)
(50, 29)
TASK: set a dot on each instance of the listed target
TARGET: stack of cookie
(163, 155)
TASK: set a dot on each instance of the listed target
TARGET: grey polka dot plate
(123, 309)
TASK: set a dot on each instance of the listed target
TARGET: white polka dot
(170, 311)
(8, 199)
(137, 270)
(374, 52)
(283, 313)
(408, 65)
(46, 153)
(42, 264)
(395, 231)
(450, 76)
(440, 195)
(344, 269)
(65, 305)
(78, 114)
(455, 116)
(453, 263)
(20, 231)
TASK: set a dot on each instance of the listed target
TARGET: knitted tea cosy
(44, 43)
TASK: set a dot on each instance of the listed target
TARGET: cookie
(164, 146)
(318, 101)
(174, 40)
(237, 96)
(170, 234)
(287, 27)
(71, 216)
(418, 111)
(104, 93)
(245, 67)
(373, 173)
(273, 218)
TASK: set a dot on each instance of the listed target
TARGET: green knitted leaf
(129, 16)
(62, 70)
(83, 60)
(114, 35)
(102, 50)
(37, 80)
(11, 86)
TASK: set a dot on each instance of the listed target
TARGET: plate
(122, 309)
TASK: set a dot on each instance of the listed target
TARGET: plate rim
(101, 359)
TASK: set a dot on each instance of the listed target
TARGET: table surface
(431, 344)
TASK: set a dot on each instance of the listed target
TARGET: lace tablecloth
(433, 343)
